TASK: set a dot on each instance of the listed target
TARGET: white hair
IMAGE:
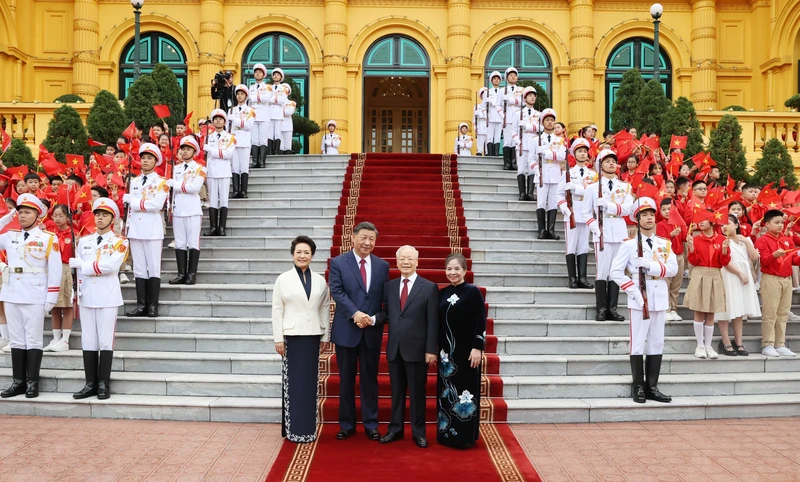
(407, 246)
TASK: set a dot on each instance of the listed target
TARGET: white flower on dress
(453, 298)
(465, 397)
(444, 356)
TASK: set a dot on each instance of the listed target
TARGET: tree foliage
(775, 164)
(106, 119)
(18, 154)
(542, 99)
(623, 111)
(735, 108)
(650, 108)
(169, 93)
(66, 134)
(681, 120)
(725, 146)
(793, 102)
(140, 100)
(69, 99)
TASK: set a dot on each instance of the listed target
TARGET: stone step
(265, 192)
(589, 328)
(242, 266)
(330, 210)
(619, 386)
(503, 268)
(677, 364)
(283, 243)
(597, 410)
(207, 277)
(291, 186)
(500, 225)
(526, 211)
(221, 252)
(547, 252)
(148, 407)
(531, 244)
(511, 311)
(298, 170)
(249, 293)
(512, 233)
(468, 172)
(246, 228)
(267, 205)
(193, 325)
(468, 186)
(184, 342)
(506, 194)
(234, 309)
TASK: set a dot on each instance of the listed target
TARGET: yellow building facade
(404, 73)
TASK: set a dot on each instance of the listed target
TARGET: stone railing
(757, 129)
(28, 120)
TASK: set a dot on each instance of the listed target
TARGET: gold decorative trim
(503, 461)
(450, 205)
(301, 460)
(352, 204)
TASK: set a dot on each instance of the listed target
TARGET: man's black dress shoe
(345, 434)
(421, 442)
(373, 434)
(391, 437)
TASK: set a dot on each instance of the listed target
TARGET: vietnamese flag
(6, 141)
(773, 202)
(653, 143)
(731, 185)
(721, 215)
(94, 143)
(100, 179)
(698, 158)
(162, 111)
(18, 171)
(76, 162)
(129, 131)
(188, 118)
(84, 195)
(152, 136)
(678, 142)
(63, 193)
(117, 179)
(105, 162)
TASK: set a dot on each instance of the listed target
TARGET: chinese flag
(64, 193)
(94, 143)
(152, 136)
(773, 202)
(188, 118)
(636, 181)
(162, 111)
(766, 192)
(652, 143)
(6, 141)
(644, 166)
(53, 167)
(129, 131)
(675, 218)
(731, 185)
(647, 190)
(84, 195)
(117, 179)
(678, 142)
(100, 179)
(88, 226)
(76, 162)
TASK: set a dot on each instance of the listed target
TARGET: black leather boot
(269, 147)
(551, 224)
(541, 223)
(191, 271)
(653, 369)
(213, 217)
(32, 365)
(153, 290)
(243, 187)
(276, 147)
(613, 299)
(637, 370)
(19, 358)
(253, 156)
(521, 186)
(181, 256)
(223, 221)
(104, 374)
(497, 151)
(90, 371)
(582, 265)
(571, 270)
(600, 300)
(513, 158)
(506, 158)
(529, 193)
(490, 149)
(236, 193)
(262, 155)
(141, 299)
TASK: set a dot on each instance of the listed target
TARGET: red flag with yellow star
(678, 142)
(84, 195)
(76, 162)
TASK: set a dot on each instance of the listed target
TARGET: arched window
(530, 59)
(155, 48)
(279, 50)
(635, 53)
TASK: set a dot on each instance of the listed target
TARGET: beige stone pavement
(62, 449)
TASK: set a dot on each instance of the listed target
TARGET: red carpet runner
(412, 199)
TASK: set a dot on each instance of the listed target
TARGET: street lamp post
(137, 69)
(655, 11)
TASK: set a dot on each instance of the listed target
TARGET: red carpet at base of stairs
(497, 457)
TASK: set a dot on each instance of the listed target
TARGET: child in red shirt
(62, 313)
(676, 235)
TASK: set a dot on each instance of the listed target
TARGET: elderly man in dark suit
(356, 282)
(411, 305)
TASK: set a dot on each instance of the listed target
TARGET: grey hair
(462, 261)
(365, 225)
(407, 246)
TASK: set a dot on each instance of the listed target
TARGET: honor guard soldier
(219, 147)
(531, 120)
(31, 282)
(241, 120)
(577, 238)
(331, 141)
(148, 193)
(615, 202)
(278, 96)
(494, 105)
(647, 335)
(97, 261)
(463, 144)
(187, 212)
(481, 122)
(512, 103)
(551, 151)
(259, 101)
(287, 128)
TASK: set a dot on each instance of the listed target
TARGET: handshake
(362, 319)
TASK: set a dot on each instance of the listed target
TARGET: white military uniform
(553, 154)
(620, 204)
(145, 229)
(187, 212)
(530, 126)
(241, 120)
(463, 143)
(288, 124)
(220, 148)
(577, 239)
(31, 279)
(481, 128)
(99, 294)
(277, 97)
(494, 105)
(647, 336)
(330, 141)
(258, 99)
(513, 99)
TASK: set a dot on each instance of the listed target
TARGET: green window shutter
(381, 55)
(291, 52)
(502, 56)
(411, 55)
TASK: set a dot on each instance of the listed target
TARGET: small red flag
(653, 143)
(647, 190)
(18, 172)
(76, 162)
(678, 142)
(162, 111)
(721, 215)
(783, 183)
(117, 179)
(52, 167)
(675, 218)
(766, 192)
(6, 143)
(152, 136)
(100, 179)
(129, 131)
(701, 215)
(84, 195)
(94, 143)
(188, 118)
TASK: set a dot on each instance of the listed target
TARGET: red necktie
(364, 272)
(404, 294)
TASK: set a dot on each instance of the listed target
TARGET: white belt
(7, 271)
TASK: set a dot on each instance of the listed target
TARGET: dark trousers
(409, 376)
(349, 360)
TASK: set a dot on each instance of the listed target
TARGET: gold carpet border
(352, 204)
(450, 205)
(298, 468)
(503, 461)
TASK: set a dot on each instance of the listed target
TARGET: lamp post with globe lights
(137, 69)
(656, 10)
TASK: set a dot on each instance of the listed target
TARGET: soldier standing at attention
(551, 151)
(188, 178)
(241, 120)
(278, 95)
(259, 101)
(219, 149)
(494, 105)
(513, 103)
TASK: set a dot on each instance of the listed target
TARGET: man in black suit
(411, 305)
(356, 281)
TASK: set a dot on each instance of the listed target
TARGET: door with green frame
(528, 56)
(155, 48)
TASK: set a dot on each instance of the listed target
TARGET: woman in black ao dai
(462, 336)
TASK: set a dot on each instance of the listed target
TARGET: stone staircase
(558, 365)
(210, 355)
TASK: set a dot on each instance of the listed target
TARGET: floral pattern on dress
(287, 418)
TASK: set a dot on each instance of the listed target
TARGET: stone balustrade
(757, 129)
(29, 120)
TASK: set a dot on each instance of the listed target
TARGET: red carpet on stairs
(412, 199)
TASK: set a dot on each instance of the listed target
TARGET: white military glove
(170, 182)
(48, 307)
(75, 262)
(595, 229)
(635, 297)
(601, 203)
(570, 186)
(564, 210)
(126, 198)
(642, 263)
